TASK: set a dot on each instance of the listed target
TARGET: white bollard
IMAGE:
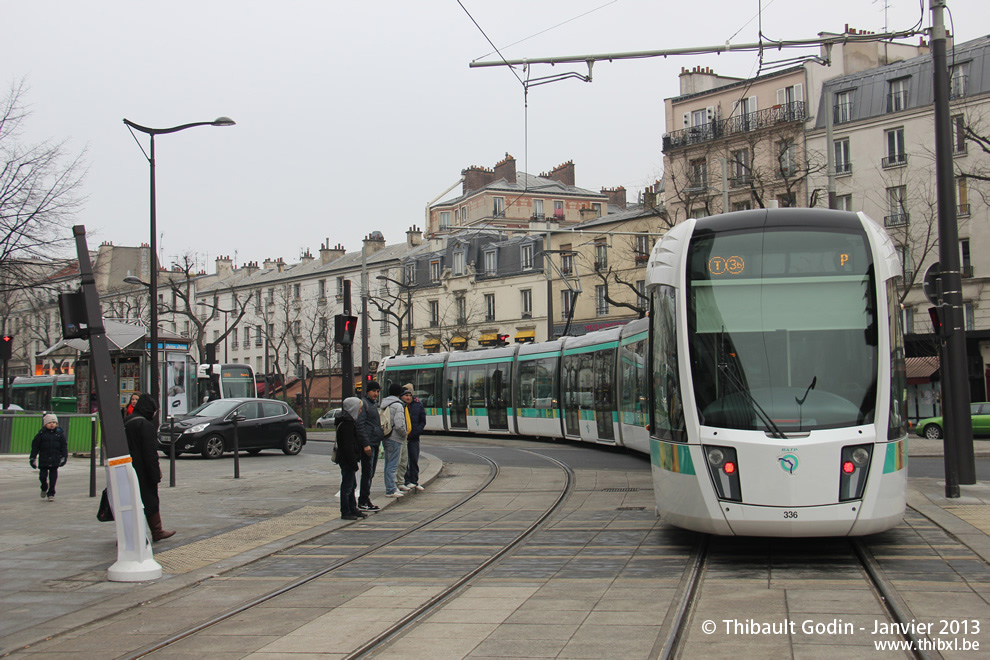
(135, 560)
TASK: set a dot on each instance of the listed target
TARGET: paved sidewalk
(54, 556)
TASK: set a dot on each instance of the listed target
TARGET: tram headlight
(854, 467)
(724, 471)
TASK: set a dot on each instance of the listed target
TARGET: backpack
(385, 416)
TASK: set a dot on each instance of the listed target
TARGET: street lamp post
(408, 314)
(153, 285)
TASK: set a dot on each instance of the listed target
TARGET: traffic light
(936, 315)
(6, 347)
(503, 340)
(344, 329)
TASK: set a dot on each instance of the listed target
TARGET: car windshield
(217, 408)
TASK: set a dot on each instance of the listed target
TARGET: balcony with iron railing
(843, 168)
(740, 181)
(751, 121)
(897, 101)
(962, 211)
(842, 112)
(896, 219)
(893, 160)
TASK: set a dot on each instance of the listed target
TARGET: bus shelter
(130, 349)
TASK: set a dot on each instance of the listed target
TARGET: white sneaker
(404, 488)
(395, 494)
(418, 487)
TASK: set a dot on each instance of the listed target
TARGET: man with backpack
(369, 431)
(394, 414)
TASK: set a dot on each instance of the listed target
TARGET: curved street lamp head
(134, 279)
(223, 121)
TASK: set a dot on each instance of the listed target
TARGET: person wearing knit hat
(49, 452)
(395, 439)
(417, 417)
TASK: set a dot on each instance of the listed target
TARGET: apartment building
(884, 159)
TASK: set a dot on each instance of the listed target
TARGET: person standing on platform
(417, 416)
(370, 434)
(394, 440)
(142, 441)
(349, 452)
(49, 452)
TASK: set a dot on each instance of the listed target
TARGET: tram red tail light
(723, 469)
(855, 467)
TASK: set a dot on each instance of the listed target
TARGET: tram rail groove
(424, 610)
(677, 621)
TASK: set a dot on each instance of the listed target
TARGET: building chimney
(414, 237)
(476, 178)
(280, 265)
(225, 267)
(306, 257)
(563, 173)
(616, 196)
(506, 169)
(268, 264)
(251, 267)
(374, 242)
(588, 214)
(328, 254)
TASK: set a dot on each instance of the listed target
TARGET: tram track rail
(422, 611)
(680, 613)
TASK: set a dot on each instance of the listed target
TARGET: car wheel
(213, 447)
(933, 432)
(292, 444)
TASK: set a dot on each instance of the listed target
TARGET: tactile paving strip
(195, 555)
(977, 515)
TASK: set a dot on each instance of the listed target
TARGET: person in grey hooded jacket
(394, 440)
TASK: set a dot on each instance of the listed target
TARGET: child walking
(51, 450)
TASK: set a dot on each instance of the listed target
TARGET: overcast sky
(352, 116)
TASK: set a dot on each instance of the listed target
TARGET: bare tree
(39, 186)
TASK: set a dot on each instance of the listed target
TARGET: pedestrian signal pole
(344, 329)
(6, 352)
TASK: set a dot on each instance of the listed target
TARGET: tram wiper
(761, 413)
(801, 401)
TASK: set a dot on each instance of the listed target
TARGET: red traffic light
(6, 347)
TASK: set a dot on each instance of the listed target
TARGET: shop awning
(431, 343)
(920, 369)
(406, 344)
(525, 336)
(458, 341)
(488, 338)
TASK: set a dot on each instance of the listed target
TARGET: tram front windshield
(237, 382)
(782, 328)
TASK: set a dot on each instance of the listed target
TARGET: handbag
(333, 453)
(105, 512)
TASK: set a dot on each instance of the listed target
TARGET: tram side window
(476, 383)
(634, 385)
(425, 386)
(604, 375)
(897, 426)
(586, 380)
(668, 410)
(537, 383)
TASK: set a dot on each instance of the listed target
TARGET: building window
(461, 310)
(386, 326)
(897, 206)
(498, 207)
(958, 134)
(958, 75)
(216, 336)
(843, 106)
(526, 257)
(463, 215)
(247, 336)
(896, 154)
(965, 260)
(257, 300)
(970, 318)
(566, 298)
(322, 289)
(538, 209)
(897, 95)
(296, 328)
(962, 197)
(489, 306)
(641, 289)
(527, 303)
(601, 304)
(844, 202)
(558, 209)
(698, 212)
(491, 264)
(739, 168)
(644, 244)
(271, 293)
(742, 206)
(907, 263)
(444, 219)
(258, 334)
(434, 270)
(410, 274)
(566, 259)
(842, 163)
(908, 320)
(786, 158)
(786, 200)
(459, 263)
(597, 207)
(601, 254)
(434, 313)
(340, 287)
(698, 177)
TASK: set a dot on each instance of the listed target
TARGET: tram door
(604, 387)
(459, 398)
(498, 379)
(571, 395)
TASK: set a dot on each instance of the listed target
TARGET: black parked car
(209, 429)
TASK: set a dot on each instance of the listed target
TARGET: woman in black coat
(349, 449)
(142, 443)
